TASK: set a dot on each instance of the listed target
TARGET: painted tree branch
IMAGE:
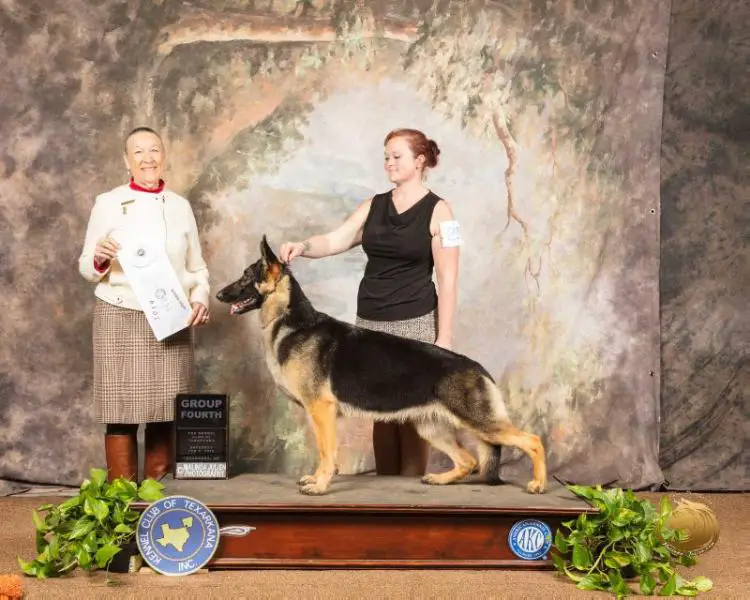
(212, 26)
(504, 135)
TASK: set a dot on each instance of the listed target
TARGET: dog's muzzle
(237, 308)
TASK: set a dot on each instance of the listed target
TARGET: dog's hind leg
(489, 462)
(322, 413)
(443, 437)
(505, 434)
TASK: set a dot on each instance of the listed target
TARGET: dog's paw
(307, 479)
(434, 479)
(535, 487)
(313, 489)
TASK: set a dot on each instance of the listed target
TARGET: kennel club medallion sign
(177, 535)
(201, 436)
(530, 539)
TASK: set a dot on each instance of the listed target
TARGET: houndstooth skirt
(137, 377)
(422, 328)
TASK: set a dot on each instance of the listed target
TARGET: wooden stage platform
(368, 521)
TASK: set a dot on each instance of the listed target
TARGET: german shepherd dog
(333, 368)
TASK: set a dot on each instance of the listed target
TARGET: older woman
(137, 377)
(405, 233)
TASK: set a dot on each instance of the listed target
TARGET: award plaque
(201, 436)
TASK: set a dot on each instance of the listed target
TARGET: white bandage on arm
(450, 234)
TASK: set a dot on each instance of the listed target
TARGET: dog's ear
(270, 262)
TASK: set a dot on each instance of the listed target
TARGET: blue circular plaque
(177, 535)
(530, 539)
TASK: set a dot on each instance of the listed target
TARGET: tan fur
(322, 412)
(277, 299)
(297, 377)
(429, 414)
(443, 438)
(506, 434)
(302, 380)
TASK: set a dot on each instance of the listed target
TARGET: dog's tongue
(237, 307)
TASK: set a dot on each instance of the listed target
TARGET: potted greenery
(91, 528)
(628, 540)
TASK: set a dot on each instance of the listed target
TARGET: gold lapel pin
(124, 206)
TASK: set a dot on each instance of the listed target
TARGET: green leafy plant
(628, 540)
(90, 528)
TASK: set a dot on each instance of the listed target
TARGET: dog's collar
(138, 188)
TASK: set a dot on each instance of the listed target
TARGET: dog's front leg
(323, 417)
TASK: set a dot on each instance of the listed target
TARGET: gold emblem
(124, 206)
(699, 522)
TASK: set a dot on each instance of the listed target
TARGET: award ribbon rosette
(151, 276)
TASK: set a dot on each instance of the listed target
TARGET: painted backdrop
(548, 116)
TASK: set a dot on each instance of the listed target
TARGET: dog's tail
(493, 466)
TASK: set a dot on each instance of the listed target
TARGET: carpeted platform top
(374, 491)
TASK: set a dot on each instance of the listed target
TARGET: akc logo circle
(530, 539)
(177, 535)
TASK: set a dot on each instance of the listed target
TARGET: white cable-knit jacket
(177, 229)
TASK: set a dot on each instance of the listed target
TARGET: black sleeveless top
(398, 282)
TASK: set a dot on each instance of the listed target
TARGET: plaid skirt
(423, 329)
(136, 377)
